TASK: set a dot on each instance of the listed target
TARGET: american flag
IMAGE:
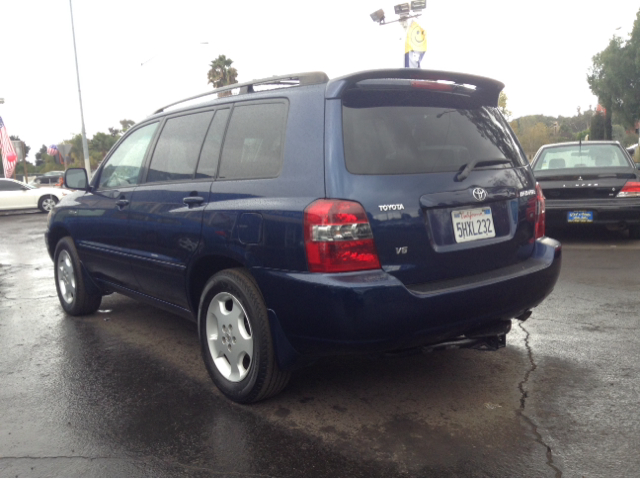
(9, 156)
(52, 150)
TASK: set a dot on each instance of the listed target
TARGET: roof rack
(294, 79)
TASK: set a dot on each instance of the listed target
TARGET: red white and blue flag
(9, 156)
(55, 152)
(52, 150)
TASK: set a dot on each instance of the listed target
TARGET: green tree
(531, 137)
(222, 74)
(100, 145)
(615, 78)
(502, 105)
(126, 124)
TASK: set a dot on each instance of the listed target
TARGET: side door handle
(122, 202)
(192, 201)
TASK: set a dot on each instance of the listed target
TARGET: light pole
(85, 146)
(404, 12)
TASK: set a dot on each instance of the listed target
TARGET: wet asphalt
(124, 392)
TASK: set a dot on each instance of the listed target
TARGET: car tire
(70, 285)
(47, 202)
(235, 337)
(634, 232)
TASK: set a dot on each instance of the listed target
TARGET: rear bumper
(372, 311)
(609, 211)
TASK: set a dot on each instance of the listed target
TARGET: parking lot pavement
(124, 392)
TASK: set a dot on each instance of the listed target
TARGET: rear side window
(581, 156)
(211, 150)
(254, 144)
(178, 149)
(402, 133)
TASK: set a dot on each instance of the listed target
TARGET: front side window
(124, 165)
(254, 143)
(409, 133)
(581, 156)
(176, 154)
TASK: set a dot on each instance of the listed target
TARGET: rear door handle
(192, 201)
(121, 203)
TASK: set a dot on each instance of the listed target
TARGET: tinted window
(176, 154)
(401, 133)
(123, 166)
(210, 155)
(254, 143)
(585, 156)
(10, 186)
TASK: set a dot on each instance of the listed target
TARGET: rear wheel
(47, 203)
(236, 338)
(72, 292)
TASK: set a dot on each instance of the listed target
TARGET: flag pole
(85, 146)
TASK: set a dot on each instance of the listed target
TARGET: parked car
(591, 182)
(387, 210)
(45, 180)
(15, 195)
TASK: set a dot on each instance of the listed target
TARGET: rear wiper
(462, 175)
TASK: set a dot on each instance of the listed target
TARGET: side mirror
(76, 179)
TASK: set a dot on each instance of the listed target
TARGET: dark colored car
(593, 182)
(382, 211)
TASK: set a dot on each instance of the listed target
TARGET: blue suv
(302, 217)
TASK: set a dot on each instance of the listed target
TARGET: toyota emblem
(480, 194)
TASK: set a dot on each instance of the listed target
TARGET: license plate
(471, 225)
(580, 217)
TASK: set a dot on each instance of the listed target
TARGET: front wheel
(70, 286)
(236, 338)
(47, 203)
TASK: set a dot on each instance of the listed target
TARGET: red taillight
(431, 85)
(631, 189)
(540, 212)
(338, 237)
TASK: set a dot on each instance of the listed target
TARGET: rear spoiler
(487, 90)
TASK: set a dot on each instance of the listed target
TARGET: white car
(15, 195)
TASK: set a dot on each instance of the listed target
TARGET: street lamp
(378, 16)
(85, 146)
(403, 10)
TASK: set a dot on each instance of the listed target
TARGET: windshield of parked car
(577, 156)
(406, 133)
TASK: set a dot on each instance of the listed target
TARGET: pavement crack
(524, 394)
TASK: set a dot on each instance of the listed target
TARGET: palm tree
(221, 74)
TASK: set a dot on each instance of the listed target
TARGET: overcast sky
(138, 55)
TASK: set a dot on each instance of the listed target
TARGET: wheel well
(202, 271)
(48, 195)
(55, 235)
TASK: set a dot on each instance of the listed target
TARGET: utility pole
(85, 146)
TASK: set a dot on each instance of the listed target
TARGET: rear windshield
(581, 156)
(389, 133)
